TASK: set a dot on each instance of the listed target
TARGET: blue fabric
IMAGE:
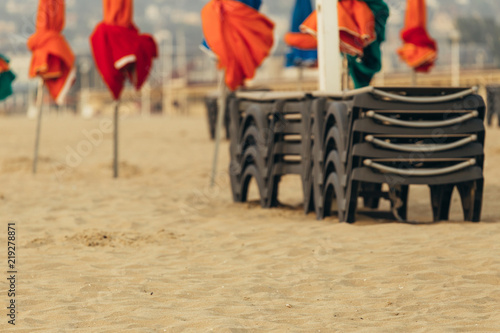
(255, 4)
(294, 56)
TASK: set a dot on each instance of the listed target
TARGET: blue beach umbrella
(295, 56)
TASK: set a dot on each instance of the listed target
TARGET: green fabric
(6, 79)
(363, 69)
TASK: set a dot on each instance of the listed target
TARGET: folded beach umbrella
(6, 78)
(356, 26)
(52, 58)
(241, 38)
(303, 47)
(362, 30)
(255, 4)
(362, 69)
(120, 53)
(419, 50)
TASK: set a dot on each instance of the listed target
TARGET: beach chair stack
(371, 145)
(329, 134)
(266, 131)
(493, 102)
(404, 137)
(212, 107)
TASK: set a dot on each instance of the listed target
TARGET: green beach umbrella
(6, 78)
(363, 69)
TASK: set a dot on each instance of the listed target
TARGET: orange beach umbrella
(52, 58)
(239, 35)
(356, 27)
(419, 50)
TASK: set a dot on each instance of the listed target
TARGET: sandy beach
(158, 251)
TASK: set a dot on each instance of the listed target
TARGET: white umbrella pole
(39, 102)
(220, 120)
(115, 155)
(329, 59)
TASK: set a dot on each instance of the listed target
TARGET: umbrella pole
(39, 101)
(413, 78)
(301, 77)
(220, 119)
(115, 155)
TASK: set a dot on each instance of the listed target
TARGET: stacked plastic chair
(493, 101)
(329, 120)
(212, 107)
(349, 146)
(402, 137)
(266, 132)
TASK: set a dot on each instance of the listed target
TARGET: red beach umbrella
(419, 50)
(120, 53)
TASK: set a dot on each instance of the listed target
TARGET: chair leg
(471, 194)
(441, 201)
(272, 194)
(371, 201)
(403, 195)
(352, 201)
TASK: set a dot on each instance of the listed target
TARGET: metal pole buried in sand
(220, 120)
(39, 104)
(115, 159)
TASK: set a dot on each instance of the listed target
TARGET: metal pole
(115, 160)
(220, 119)
(39, 102)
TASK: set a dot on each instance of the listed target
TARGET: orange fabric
(239, 35)
(356, 26)
(118, 13)
(310, 25)
(419, 51)
(119, 50)
(4, 66)
(52, 57)
(301, 41)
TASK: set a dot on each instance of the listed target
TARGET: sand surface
(158, 251)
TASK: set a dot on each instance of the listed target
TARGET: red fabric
(419, 50)
(239, 35)
(120, 51)
(356, 27)
(52, 57)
